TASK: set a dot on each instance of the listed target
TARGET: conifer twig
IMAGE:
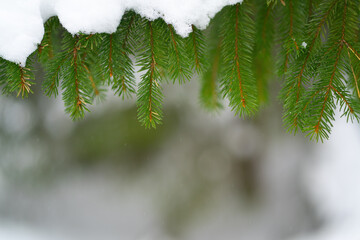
(237, 56)
(24, 84)
(354, 75)
(91, 78)
(152, 69)
(330, 86)
(110, 55)
(196, 54)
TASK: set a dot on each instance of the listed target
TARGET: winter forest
(179, 120)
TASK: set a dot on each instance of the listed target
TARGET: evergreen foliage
(263, 66)
(15, 78)
(115, 52)
(237, 81)
(312, 45)
(210, 96)
(151, 59)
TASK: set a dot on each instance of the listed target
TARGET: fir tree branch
(174, 44)
(295, 80)
(310, 9)
(17, 79)
(343, 98)
(317, 127)
(196, 54)
(110, 55)
(195, 47)
(152, 69)
(52, 76)
(209, 94)
(46, 47)
(127, 87)
(317, 33)
(124, 45)
(354, 75)
(264, 25)
(79, 101)
(76, 84)
(91, 78)
(114, 56)
(151, 59)
(178, 66)
(24, 85)
(320, 129)
(263, 59)
(128, 30)
(357, 55)
(292, 24)
(237, 59)
(237, 77)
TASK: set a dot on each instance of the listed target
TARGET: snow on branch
(22, 21)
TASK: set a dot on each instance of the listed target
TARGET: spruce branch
(76, 84)
(24, 85)
(209, 92)
(290, 32)
(210, 95)
(354, 75)
(351, 49)
(195, 46)
(237, 78)
(53, 74)
(331, 78)
(178, 60)
(91, 78)
(17, 79)
(115, 52)
(151, 60)
(300, 74)
(264, 40)
(46, 49)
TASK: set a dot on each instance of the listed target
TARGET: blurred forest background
(199, 176)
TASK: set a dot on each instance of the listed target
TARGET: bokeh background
(200, 176)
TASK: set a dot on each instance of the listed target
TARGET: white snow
(21, 21)
(21, 29)
(333, 184)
